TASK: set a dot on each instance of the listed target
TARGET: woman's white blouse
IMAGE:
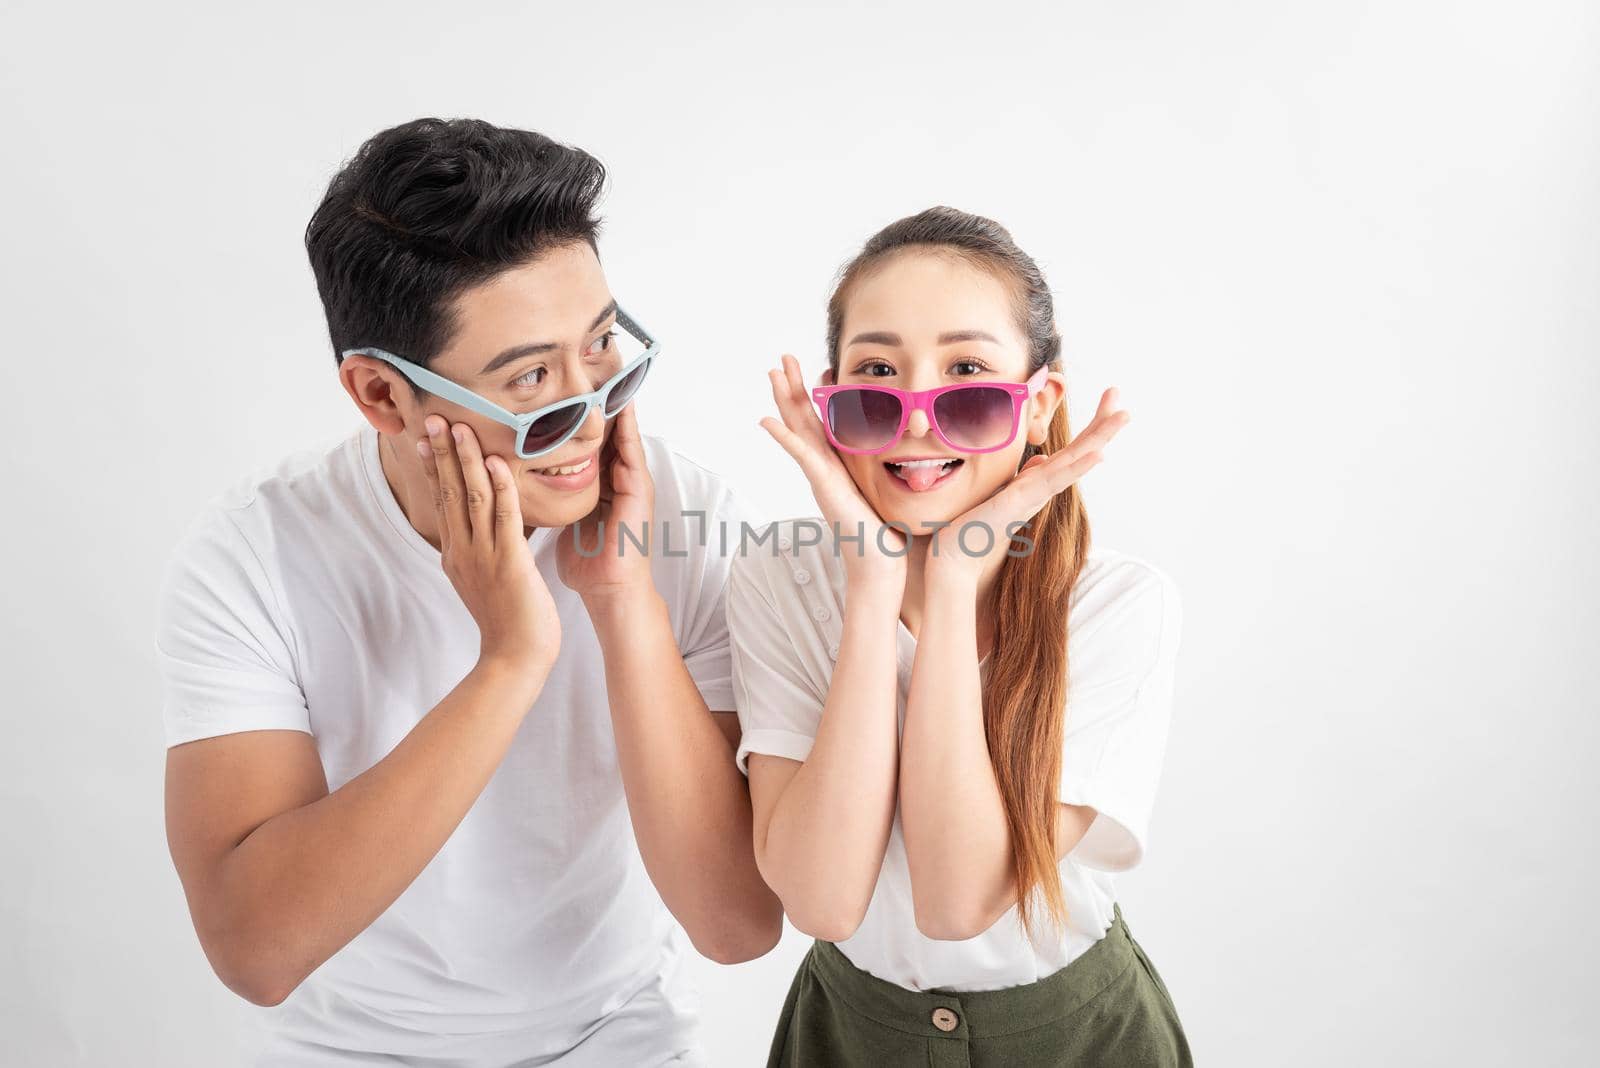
(785, 611)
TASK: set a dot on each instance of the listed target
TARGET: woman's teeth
(569, 469)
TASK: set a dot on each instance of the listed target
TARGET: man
(437, 773)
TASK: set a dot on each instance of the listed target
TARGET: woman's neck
(913, 601)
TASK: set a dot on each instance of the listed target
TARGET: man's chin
(558, 509)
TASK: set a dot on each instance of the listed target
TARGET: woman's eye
(976, 367)
(876, 369)
(604, 343)
(530, 378)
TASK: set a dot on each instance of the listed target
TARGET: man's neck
(414, 498)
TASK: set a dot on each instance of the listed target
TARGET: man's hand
(627, 501)
(485, 550)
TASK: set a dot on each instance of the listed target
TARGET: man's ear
(1042, 406)
(372, 384)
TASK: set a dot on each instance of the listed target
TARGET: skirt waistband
(977, 1013)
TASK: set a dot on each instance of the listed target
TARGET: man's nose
(594, 425)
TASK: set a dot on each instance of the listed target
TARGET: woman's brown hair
(1025, 690)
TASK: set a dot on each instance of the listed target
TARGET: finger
(431, 471)
(1108, 420)
(452, 499)
(628, 471)
(802, 416)
(783, 395)
(607, 461)
(793, 444)
(796, 380)
(475, 480)
(1027, 493)
(507, 523)
(1059, 478)
(1057, 469)
(629, 441)
(786, 438)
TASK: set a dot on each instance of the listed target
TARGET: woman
(938, 800)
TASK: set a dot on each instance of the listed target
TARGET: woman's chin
(921, 517)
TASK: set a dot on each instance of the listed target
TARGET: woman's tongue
(922, 476)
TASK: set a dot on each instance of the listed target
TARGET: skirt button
(945, 1020)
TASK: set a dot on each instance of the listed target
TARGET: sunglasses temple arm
(445, 389)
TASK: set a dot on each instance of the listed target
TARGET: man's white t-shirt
(785, 617)
(304, 600)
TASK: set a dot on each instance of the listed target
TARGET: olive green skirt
(1107, 1009)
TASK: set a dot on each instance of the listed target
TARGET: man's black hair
(430, 208)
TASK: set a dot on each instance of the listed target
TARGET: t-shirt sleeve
(221, 641)
(1116, 731)
(779, 701)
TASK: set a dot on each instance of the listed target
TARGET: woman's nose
(917, 425)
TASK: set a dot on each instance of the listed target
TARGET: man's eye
(604, 343)
(530, 378)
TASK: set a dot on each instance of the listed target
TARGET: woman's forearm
(958, 843)
(824, 843)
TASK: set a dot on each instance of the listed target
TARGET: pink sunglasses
(967, 417)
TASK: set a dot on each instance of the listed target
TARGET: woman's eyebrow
(955, 336)
(876, 337)
(951, 337)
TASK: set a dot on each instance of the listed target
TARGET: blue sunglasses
(545, 429)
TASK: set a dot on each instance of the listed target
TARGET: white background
(1343, 259)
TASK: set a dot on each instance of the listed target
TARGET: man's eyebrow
(517, 352)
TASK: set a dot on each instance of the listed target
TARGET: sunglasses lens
(977, 417)
(863, 418)
(551, 427)
(623, 391)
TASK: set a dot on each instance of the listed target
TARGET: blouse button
(819, 613)
(802, 576)
(833, 650)
(784, 544)
(945, 1020)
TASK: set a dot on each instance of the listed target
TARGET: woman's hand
(880, 554)
(627, 499)
(1020, 499)
(484, 549)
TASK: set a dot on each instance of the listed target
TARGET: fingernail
(422, 449)
(457, 433)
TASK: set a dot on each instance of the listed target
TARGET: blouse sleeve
(1118, 715)
(778, 699)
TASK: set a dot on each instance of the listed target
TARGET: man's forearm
(688, 802)
(304, 883)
